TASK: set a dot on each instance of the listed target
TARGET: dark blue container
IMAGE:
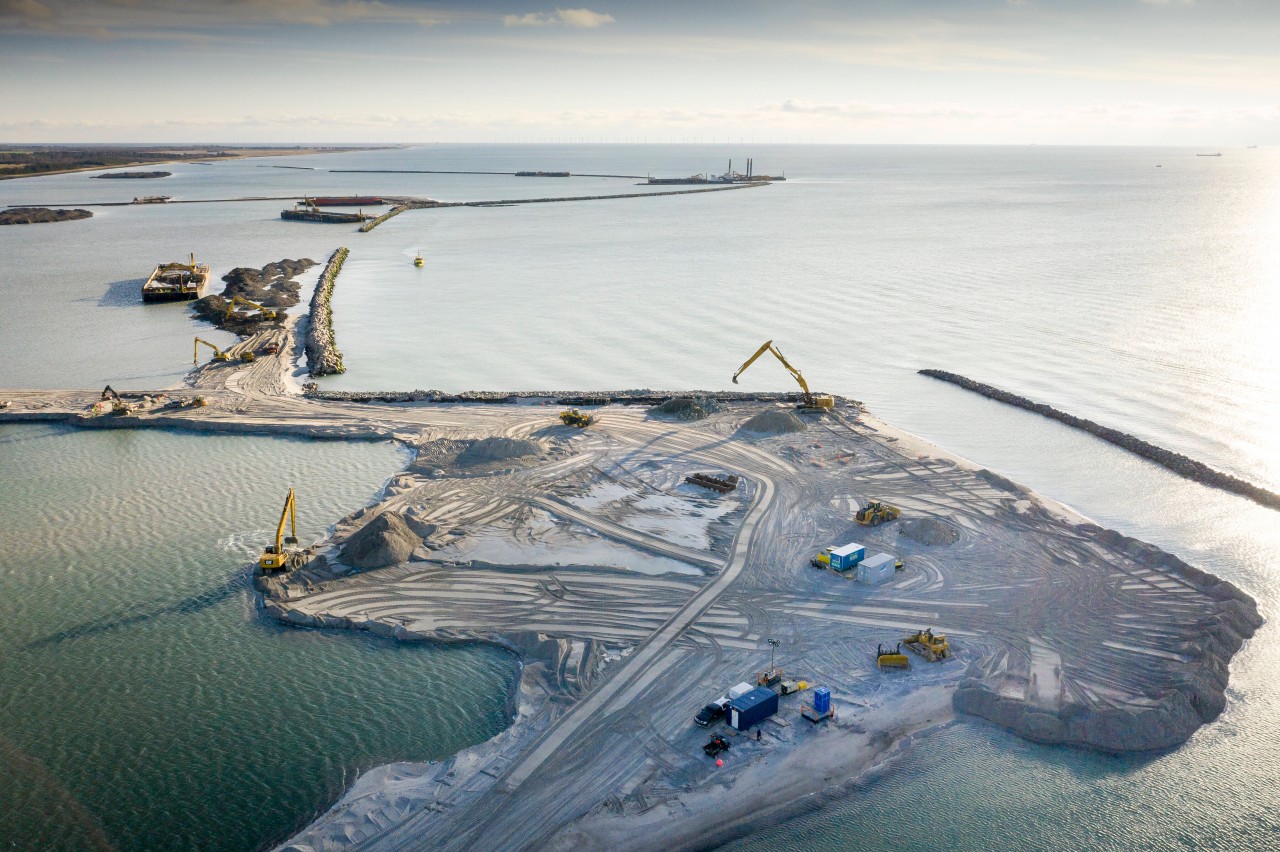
(752, 708)
(822, 700)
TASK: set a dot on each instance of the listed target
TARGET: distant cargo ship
(176, 282)
(729, 176)
(1209, 155)
(542, 174)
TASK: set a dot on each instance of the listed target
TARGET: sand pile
(774, 422)
(386, 540)
(685, 408)
(930, 531)
(488, 450)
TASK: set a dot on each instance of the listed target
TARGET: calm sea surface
(1141, 297)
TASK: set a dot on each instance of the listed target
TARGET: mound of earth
(685, 408)
(272, 286)
(774, 422)
(930, 531)
(36, 215)
(495, 449)
(386, 540)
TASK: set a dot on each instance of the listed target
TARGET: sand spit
(1061, 631)
(1182, 465)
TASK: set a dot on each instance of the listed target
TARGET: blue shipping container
(753, 708)
(822, 700)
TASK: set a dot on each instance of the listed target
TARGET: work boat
(417, 260)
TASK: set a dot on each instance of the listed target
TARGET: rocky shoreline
(272, 286)
(323, 355)
(1176, 462)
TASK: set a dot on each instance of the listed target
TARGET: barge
(176, 282)
(306, 211)
(542, 174)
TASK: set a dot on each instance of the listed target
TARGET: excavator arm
(795, 374)
(218, 354)
(274, 557)
(267, 313)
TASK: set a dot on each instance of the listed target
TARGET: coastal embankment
(323, 356)
(1186, 467)
(508, 202)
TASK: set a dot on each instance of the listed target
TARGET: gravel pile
(775, 422)
(488, 450)
(930, 531)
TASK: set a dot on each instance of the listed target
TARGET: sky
(1130, 72)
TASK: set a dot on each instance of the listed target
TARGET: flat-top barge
(176, 282)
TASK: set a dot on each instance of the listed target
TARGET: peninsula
(634, 598)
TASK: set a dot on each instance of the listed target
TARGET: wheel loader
(875, 513)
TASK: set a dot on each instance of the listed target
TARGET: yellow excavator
(934, 647)
(285, 555)
(811, 400)
(267, 313)
(218, 354)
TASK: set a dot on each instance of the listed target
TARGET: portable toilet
(822, 700)
(874, 570)
(844, 558)
(752, 708)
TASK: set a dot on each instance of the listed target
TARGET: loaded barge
(176, 282)
(307, 211)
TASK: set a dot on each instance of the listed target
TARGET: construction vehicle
(118, 405)
(811, 400)
(574, 417)
(770, 676)
(271, 349)
(894, 659)
(267, 313)
(716, 483)
(716, 745)
(218, 354)
(875, 513)
(934, 647)
(285, 555)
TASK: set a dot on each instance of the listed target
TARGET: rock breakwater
(1176, 462)
(323, 356)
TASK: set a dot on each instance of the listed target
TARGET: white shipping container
(876, 569)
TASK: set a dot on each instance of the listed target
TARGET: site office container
(844, 558)
(752, 708)
(876, 569)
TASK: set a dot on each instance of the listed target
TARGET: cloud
(576, 18)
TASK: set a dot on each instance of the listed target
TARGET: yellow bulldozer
(934, 647)
(574, 417)
(894, 659)
(876, 513)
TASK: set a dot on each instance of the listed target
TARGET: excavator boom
(218, 354)
(267, 313)
(810, 400)
(275, 558)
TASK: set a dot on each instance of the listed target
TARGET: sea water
(1138, 296)
(145, 703)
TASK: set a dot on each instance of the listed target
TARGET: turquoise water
(144, 702)
(1143, 298)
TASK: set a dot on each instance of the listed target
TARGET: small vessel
(1219, 154)
(176, 282)
(417, 260)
